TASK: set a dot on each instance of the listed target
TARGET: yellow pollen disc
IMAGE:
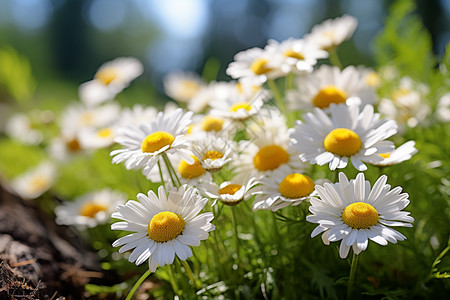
(360, 215)
(296, 186)
(73, 145)
(259, 67)
(294, 54)
(165, 226)
(385, 155)
(342, 141)
(190, 171)
(189, 88)
(156, 140)
(38, 183)
(230, 189)
(90, 209)
(213, 155)
(104, 132)
(106, 75)
(329, 94)
(270, 157)
(372, 79)
(243, 105)
(210, 123)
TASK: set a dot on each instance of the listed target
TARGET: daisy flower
(136, 115)
(109, 80)
(21, 127)
(298, 55)
(443, 108)
(402, 153)
(230, 192)
(182, 86)
(93, 138)
(36, 181)
(239, 109)
(213, 152)
(346, 134)
(283, 188)
(78, 115)
(328, 85)
(163, 226)
(355, 213)
(202, 124)
(90, 209)
(67, 145)
(256, 65)
(145, 144)
(332, 32)
(406, 104)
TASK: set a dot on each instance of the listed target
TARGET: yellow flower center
(241, 105)
(259, 67)
(190, 171)
(165, 226)
(270, 157)
(397, 94)
(104, 132)
(156, 140)
(39, 183)
(385, 155)
(73, 145)
(230, 189)
(342, 141)
(294, 54)
(296, 186)
(106, 75)
(329, 94)
(90, 209)
(213, 155)
(372, 79)
(189, 88)
(210, 123)
(360, 215)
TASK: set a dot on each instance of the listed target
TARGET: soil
(39, 259)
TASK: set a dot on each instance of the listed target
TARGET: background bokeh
(67, 40)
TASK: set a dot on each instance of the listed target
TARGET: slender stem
(276, 95)
(173, 175)
(190, 274)
(334, 58)
(233, 214)
(351, 280)
(137, 284)
(173, 282)
(161, 175)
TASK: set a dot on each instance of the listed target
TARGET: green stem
(236, 233)
(277, 95)
(173, 175)
(334, 58)
(173, 282)
(351, 280)
(161, 175)
(137, 284)
(190, 274)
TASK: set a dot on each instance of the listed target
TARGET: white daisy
(163, 226)
(202, 124)
(213, 152)
(93, 138)
(109, 80)
(282, 188)
(298, 55)
(67, 145)
(354, 213)
(136, 115)
(239, 109)
(145, 144)
(90, 209)
(332, 32)
(78, 115)
(328, 85)
(21, 127)
(230, 192)
(36, 181)
(443, 108)
(182, 86)
(402, 153)
(406, 104)
(256, 65)
(346, 134)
